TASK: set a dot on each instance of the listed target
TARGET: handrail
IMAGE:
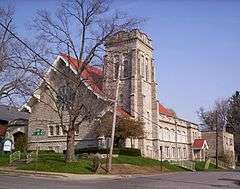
(14, 156)
(185, 164)
(31, 156)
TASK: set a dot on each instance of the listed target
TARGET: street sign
(38, 132)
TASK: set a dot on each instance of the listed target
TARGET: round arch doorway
(20, 141)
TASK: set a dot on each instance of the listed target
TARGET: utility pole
(161, 158)
(217, 147)
(114, 117)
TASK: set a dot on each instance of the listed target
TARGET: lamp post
(161, 158)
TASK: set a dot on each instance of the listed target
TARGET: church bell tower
(137, 95)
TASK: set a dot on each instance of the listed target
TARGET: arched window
(179, 137)
(173, 152)
(77, 130)
(125, 65)
(142, 65)
(160, 133)
(65, 96)
(172, 135)
(184, 137)
(116, 66)
(184, 153)
(121, 98)
(146, 70)
(167, 152)
(166, 134)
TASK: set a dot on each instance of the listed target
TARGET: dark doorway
(20, 141)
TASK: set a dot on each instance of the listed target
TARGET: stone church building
(166, 136)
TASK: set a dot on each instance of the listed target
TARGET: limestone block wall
(225, 143)
(44, 116)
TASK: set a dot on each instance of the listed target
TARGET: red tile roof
(199, 143)
(93, 77)
(164, 110)
(122, 112)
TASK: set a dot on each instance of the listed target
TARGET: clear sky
(196, 47)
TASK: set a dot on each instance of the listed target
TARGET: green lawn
(55, 163)
(4, 160)
(200, 166)
(147, 162)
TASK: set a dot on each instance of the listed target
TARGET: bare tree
(215, 120)
(78, 28)
(13, 79)
(8, 81)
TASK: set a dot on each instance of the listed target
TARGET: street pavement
(181, 180)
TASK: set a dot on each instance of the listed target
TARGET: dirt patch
(133, 169)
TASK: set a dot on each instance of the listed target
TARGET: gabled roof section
(163, 110)
(199, 144)
(91, 75)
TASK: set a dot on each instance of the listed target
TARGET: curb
(69, 176)
(32, 172)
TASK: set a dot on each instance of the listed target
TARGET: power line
(34, 52)
(44, 60)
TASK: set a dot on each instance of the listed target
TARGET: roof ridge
(88, 65)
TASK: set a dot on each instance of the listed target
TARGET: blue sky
(196, 47)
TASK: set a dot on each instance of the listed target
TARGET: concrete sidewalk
(63, 176)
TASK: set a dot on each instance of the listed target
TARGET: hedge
(130, 152)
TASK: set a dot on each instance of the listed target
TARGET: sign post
(37, 133)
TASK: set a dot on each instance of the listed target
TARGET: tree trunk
(70, 153)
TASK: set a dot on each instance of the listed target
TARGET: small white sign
(7, 146)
